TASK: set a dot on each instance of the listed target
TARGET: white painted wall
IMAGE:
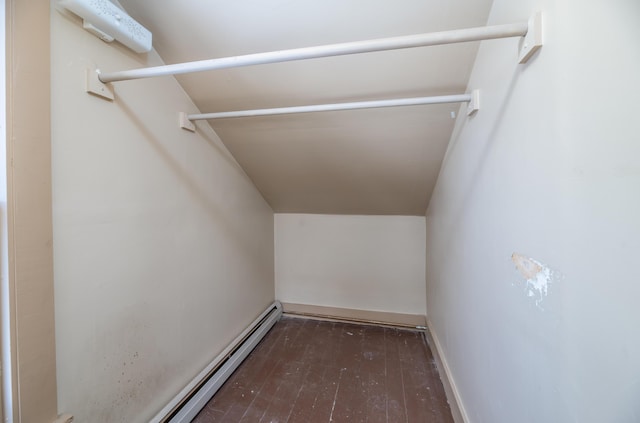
(548, 169)
(163, 246)
(373, 263)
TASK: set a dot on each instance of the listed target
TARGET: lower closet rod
(458, 98)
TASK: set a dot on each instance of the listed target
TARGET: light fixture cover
(107, 20)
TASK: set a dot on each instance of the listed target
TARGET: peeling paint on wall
(537, 277)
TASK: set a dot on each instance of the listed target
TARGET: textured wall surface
(533, 229)
(355, 262)
(163, 248)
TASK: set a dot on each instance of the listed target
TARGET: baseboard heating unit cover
(188, 403)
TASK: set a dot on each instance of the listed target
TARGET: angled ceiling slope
(381, 161)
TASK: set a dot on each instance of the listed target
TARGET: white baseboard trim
(453, 396)
(364, 316)
(64, 418)
(186, 405)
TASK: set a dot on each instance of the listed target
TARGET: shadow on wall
(199, 194)
(478, 162)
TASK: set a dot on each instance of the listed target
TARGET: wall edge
(453, 395)
(366, 316)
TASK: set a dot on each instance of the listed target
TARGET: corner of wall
(453, 395)
(30, 250)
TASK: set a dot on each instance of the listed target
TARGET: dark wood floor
(317, 371)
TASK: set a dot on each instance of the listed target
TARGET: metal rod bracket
(185, 123)
(474, 104)
(532, 41)
(94, 86)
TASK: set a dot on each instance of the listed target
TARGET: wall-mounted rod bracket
(532, 41)
(474, 103)
(185, 123)
(472, 99)
(93, 85)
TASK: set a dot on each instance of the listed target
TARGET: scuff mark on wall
(537, 277)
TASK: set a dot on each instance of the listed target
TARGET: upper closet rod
(436, 38)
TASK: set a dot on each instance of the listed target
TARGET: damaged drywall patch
(537, 277)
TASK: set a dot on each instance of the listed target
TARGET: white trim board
(186, 405)
(453, 396)
(365, 316)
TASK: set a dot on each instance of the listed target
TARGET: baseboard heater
(188, 403)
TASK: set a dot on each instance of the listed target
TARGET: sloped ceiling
(382, 161)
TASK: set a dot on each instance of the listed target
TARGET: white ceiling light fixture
(108, 22)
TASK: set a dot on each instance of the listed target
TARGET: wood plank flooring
(308, 370)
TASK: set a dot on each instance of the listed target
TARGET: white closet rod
(459, 98)
(419, 40)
